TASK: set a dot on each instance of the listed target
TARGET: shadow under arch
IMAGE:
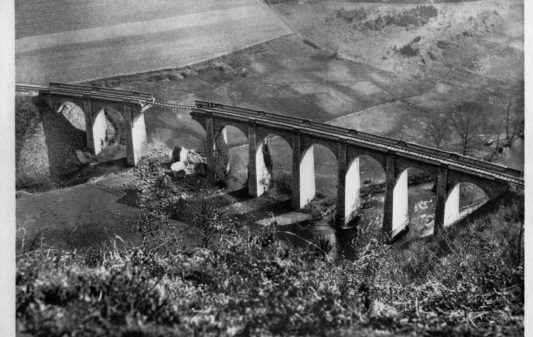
(414, 201)
(231, 157)
(273, 163)
(364, 201)
(74, 114)
(462, 199)
(62, 138)
(318, 175)
(175, 127)
(108, 129)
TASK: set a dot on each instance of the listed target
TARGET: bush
(468, 281)
(283, 183)
(415, 17)
(357, 14)
(252, 285)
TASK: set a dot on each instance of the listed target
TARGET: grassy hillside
(233, 282)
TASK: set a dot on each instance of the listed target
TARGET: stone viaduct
(447, 169)
(396, 157)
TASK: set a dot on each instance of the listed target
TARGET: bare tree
(469, 122)
(515, 105)
(437, 130)
(511, 102)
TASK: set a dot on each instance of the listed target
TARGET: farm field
(95, 41)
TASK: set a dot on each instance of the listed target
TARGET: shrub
(416, 17)
(408, 50)
(252, 285)
(468, 281)
(283, 183)
(357, 14)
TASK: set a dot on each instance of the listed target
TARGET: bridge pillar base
(87, 110)
(98, 133)
(295, 185)
(136, 139)
(307, 177)
(451, 209)
(390, 180)
(263, 174)
(400, 208)
(440, 203)
(255, 161)
(352, 190)
(210, 150)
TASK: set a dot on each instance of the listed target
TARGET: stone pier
(307, 177)
(99, 132)
(451, 210)
(352, 187)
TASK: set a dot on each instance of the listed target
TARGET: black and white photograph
(266, 168)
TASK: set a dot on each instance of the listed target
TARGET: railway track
(454, 160)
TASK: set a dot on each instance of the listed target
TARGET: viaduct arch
(93, 101)
(447, 170)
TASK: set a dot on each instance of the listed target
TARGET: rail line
(408, 149)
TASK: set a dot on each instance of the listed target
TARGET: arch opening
(274, 164)
(318, 178)
(108, 132)
(65, 137)
(175, 128)
(414, 202)
(363, 190)
(231, 158)
(462, 199)
(74, 114)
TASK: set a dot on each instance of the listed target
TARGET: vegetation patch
(414, 17)
(233, 282)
